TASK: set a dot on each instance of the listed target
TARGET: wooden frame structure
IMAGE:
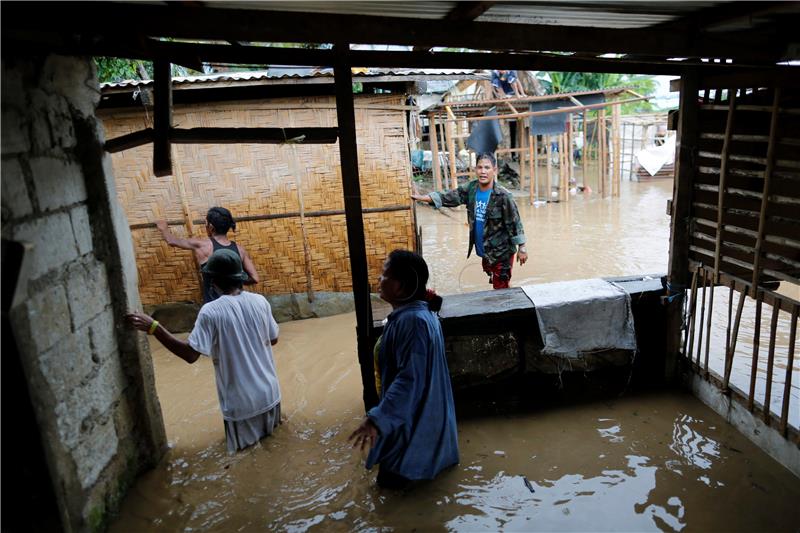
(743, 40)
(457, 115)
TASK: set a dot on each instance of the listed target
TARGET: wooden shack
(287, 198)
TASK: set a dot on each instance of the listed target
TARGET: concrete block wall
(89, 378)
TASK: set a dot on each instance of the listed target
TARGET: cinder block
(47, 319)
(15, 138)
(53, 242)
(103, 331)
(58, 182)
(75, 78)
(67, 363)
(78, 411)
(51, 121)
(15, 200)
(95, 451)
(87, 290)
(82, 229)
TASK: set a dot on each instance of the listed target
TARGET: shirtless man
(218, 221)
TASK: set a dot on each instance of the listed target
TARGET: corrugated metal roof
(287, 73)
(619, 14)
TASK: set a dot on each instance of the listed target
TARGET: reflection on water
(646, 463)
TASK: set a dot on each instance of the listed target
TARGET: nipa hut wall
(254, 180)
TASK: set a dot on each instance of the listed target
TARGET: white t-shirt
(236, 332)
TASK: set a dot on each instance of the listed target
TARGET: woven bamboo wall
(256, 180)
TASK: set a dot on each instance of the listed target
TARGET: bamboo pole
(522, 152)
(561, 191)
(602, 162)
(689, 335)
(451, 149)
(702, 316)
(298, 180)
(571, 172)
(445, 165)
(773, 140)
(756, 346)
(187, 215)
(734, 336)
(776, 307)
(557, 111)
(617, 173)
(708, 324)
(532, 166)
(549, 180)
(584, 151)
(458, 123)
(787, 383)
(723, 177)
(434, 142)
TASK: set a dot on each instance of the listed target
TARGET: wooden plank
(187, 215)
(162, 118)
(723, 177)
(253, 135)
(702, 313)
(348, 153)
(688, 338)
(787, 382)
(616, 175)
(771, 360)
(131, 140)
(434, 142)
(773, 132)
(756, 345)
(682, 193)
(733, 338)
(451, 153)
(534, 192)
(298, 180)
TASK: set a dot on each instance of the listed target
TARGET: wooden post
(523, 151)
(603, 158)
(584, 152)
(451, 149)
(532, 166)
(756, 345)
(723, 177)
(561, 197)
(162, 117)
(617, 172)
(678, 275)
(773, 327)
(773, 140)
(351, 188)
(787, 383)
(446, 167)
(452, 116)
(549, 180)
(434, 142)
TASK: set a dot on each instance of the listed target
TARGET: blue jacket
(416, 416)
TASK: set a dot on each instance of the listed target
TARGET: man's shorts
(499, 272)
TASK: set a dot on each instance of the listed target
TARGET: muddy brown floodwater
(660, 461)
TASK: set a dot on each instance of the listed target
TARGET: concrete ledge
(765, 437)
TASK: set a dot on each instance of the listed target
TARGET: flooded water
(661, 461)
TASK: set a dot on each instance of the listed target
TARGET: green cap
(226, 264)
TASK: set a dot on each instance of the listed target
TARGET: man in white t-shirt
(237, 330)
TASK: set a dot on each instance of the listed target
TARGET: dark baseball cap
(226, 264)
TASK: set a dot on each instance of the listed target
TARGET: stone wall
(89, 378)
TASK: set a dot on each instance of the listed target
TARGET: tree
(566, 82)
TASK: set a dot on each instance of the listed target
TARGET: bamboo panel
(256, 179)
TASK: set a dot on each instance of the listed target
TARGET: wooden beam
(762, 220)
(226, 136)
(257, 25)
(723, 176)
(678, 273)
(465, 11)
(351, 187)
(162, 118)
(435, 162)
(573, 109)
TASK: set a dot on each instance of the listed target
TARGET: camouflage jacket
(502, 229)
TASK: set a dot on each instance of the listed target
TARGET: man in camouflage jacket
(503, 235)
